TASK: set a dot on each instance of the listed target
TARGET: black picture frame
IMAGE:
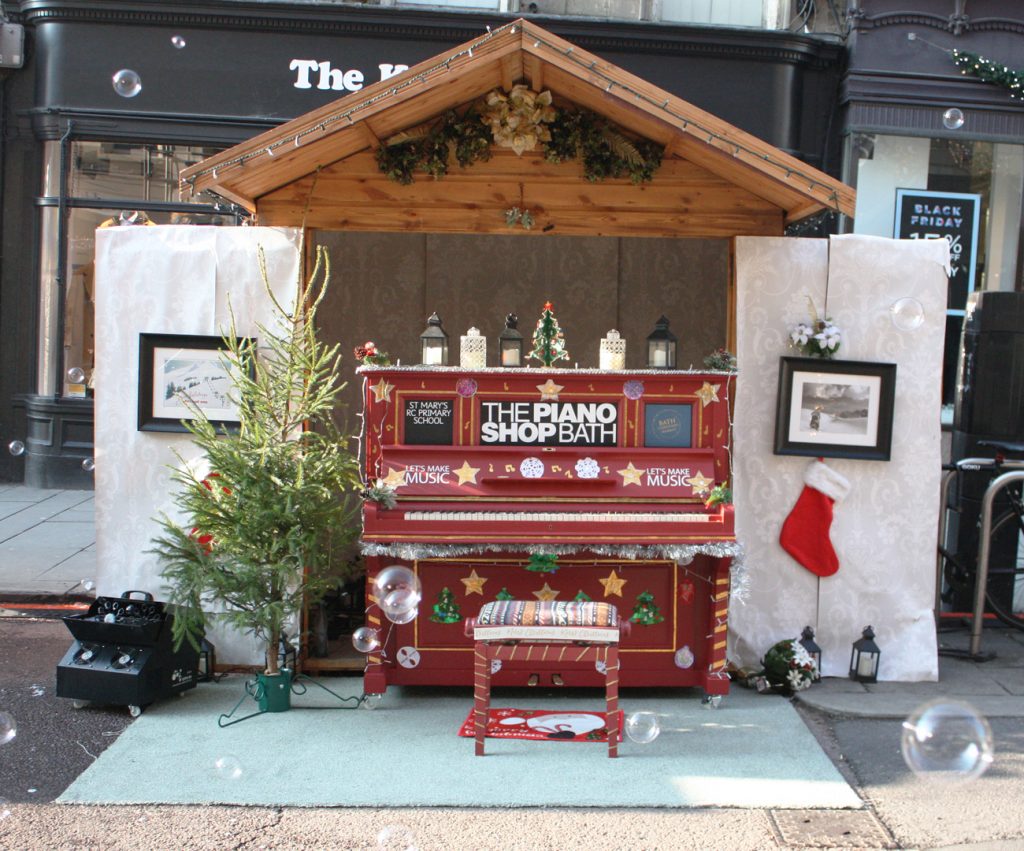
(853, 418)
(173, 360)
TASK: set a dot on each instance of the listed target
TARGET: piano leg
(716, 681)
(611, 696)
(481, 693)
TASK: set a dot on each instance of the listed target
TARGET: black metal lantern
(207, 661)
(510, 343)
(864, 658)
(661, 346)
(813, 650)
(434, 343)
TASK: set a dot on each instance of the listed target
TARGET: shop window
(731, 13)
(993, 173)
(109, 185)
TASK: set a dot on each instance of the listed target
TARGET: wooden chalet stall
(715, 182)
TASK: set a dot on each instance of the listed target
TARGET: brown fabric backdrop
(384, 285)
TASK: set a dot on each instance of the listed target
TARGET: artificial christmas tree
(548, 343)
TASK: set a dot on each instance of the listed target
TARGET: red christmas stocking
(805, 534)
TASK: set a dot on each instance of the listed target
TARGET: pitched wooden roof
(520, 51)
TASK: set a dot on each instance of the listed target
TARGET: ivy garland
(430, 146)
(575, 134)
(990, 72)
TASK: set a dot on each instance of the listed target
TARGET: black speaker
(990, 368)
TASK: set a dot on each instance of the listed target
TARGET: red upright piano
(551, 484)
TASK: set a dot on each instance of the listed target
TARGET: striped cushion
(548, 613)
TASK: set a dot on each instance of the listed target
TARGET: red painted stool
(563, 634)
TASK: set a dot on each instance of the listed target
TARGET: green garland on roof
(604, 150)
(991, 72)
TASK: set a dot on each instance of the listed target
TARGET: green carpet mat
(753, 751)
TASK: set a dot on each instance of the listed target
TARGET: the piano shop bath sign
(549, 423)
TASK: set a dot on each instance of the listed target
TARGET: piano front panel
(670, 606)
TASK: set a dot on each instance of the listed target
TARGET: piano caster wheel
(371, 701)
(134, 711)
(79, 704)
(556, 680)
(711, 701)
(533, 680)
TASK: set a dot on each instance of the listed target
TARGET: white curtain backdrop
(884, 531)
(173, 279)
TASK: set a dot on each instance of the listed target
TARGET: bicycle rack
(983, 553)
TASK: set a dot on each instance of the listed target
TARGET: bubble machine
(123, 655)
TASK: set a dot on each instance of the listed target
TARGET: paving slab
(57, 535)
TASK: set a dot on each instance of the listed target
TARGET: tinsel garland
(991, 72)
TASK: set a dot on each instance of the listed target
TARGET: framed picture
(177, 368)
(835, 408)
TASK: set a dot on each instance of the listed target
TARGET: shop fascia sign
(320, 74)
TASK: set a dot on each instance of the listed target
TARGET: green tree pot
(273, 691)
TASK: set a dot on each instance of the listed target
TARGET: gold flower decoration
(517, 119)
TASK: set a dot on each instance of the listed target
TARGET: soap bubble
(76, 375)
(684, 657)
(88, 464)
(371, 701)
(178, 41)
(88, 584)
(8, 729)
(4, 810)
(947, 740)
(642, 727)
(227, 767)
(953, 118)
(397, 590)
(127, 83)
(396, 837)
(365, 639)
(907, 313)
(16, 448)
(403, 617)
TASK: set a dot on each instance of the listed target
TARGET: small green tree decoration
(446, 610)
(272, 524)
(504, 594)
(645, 612)
(548, 343)
(582, 597)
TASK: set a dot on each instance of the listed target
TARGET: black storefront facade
(86, 146)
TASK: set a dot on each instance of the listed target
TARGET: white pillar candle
(432, 356)
(659, 357)
(865, 665)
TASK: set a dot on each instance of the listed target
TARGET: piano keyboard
(560, 517)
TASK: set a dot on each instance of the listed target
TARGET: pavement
(47, 559)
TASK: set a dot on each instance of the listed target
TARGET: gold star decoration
(382, 390)
(466, 473)
(546, 593)
(700, 484)
(550, 390)
(474, 584)
(613, 584)
(708, 394)
(394, 478)
(631, 475)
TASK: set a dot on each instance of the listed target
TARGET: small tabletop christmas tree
(645, 612)
(548, 343)
(446, 610)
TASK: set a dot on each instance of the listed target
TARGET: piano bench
(522, 632)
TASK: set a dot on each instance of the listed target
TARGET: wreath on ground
(522, 120)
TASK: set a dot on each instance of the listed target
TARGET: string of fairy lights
(786, 170)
